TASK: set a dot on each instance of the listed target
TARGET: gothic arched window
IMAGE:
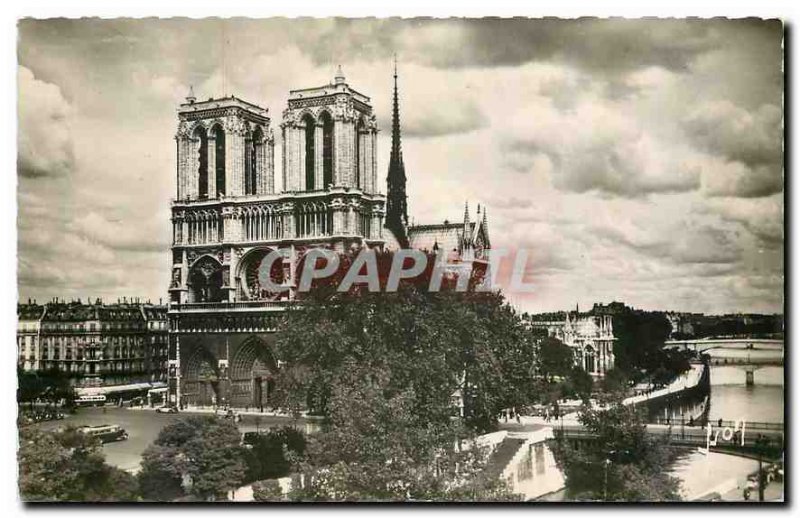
(589, 359)
(327, 149)
(201, 142)
(310, 125)
(359, 150)
(219, 158)
(253, 152)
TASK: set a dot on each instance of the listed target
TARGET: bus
(105, 432)
(93, 400)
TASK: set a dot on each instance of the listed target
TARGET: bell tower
(329, 139)
(225, 149)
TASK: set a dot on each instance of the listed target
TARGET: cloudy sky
(637, 160)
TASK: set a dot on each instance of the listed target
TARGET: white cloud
(45, 144)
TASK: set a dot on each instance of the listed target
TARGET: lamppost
(683, 423)
(761, 444)
(605, 479)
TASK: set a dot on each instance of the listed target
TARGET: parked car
(166, 409)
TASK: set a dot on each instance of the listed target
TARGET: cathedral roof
(445, 236)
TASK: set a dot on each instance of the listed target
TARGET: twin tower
(230, 210)
(225, 146)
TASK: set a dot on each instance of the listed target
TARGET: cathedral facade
(228, 216)
(589, 335)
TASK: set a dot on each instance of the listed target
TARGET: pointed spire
(485, 227)
(339, 79)
(466, 220)
(190, 98)
(396, 199)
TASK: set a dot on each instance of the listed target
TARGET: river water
(730, 399)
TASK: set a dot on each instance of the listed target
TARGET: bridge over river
(747, 354)
(705, 344)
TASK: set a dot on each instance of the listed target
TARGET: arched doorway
(252, 374)
(201, 380)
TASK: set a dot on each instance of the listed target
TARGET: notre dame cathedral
(228, 215)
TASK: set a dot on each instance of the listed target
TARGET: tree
(581, 383)
(615, 382)
(69, 467)
(640, 339)
(622, 463)
(203, 453)
(555, 358)
(268, 457)
(374, 448)
(52, 386)
(438, 343)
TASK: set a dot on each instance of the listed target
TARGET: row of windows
(93, 327)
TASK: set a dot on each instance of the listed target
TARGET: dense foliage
(68, 466)
(623, 463)
(554, 358)
(51, 386)
(435, 344)
(639, 350)
(201, 456)
(270, 453)
(390, 373)
(375, 447)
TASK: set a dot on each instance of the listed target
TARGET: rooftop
(224, 102)
(444, 236)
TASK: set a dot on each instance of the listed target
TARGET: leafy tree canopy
(69, 467)
(203, 453)
(623, 463)
(433, 344)
(555, 358)
(375, 448)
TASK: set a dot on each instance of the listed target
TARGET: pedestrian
(719, 423)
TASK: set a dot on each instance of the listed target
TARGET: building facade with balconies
(105, 348)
